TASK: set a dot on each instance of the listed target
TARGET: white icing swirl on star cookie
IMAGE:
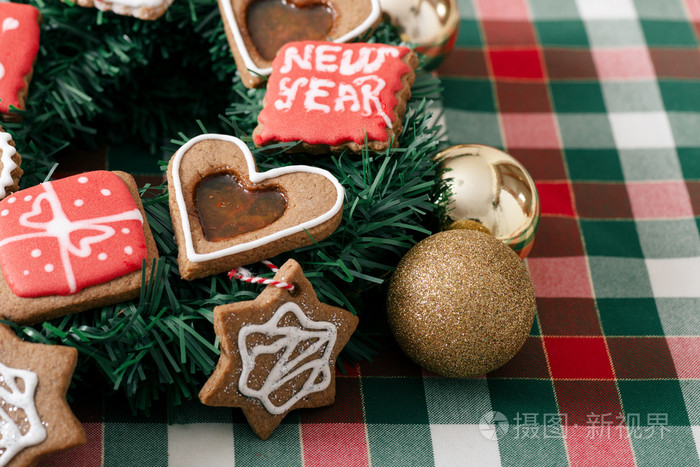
(14, 438)
(320, 336)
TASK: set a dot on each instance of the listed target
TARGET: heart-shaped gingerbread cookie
(256, 29)
(269, 212)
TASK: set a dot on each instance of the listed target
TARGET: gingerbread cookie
(35, 419)
(227, 214)
(72, 244)
(142, 9)
(19, 44)
(10, 160)
(336, 96)
(256, 29)
(278, 352)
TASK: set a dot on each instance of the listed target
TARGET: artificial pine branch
(102, 77)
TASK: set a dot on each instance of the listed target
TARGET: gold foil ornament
(430, 24)
(491, 187)
(461, 303)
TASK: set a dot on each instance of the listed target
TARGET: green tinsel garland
(106, 78)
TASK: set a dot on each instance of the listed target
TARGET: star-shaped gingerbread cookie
(278, 352)
(35, 419)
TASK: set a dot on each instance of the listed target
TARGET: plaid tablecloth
(600, 99)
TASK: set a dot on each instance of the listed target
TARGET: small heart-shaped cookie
(197, 175)
(256, 29)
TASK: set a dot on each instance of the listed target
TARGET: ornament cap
(489, 186)
(468, 224)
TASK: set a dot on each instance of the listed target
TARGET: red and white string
(243, 274)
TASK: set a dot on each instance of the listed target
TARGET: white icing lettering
(325, 58)
(346, 93)
(291, 57)
(315, 91)
(12, 440)
(320, 336)
(370, 96)
(290, 93)
(363, 64)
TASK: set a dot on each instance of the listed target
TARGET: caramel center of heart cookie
(273, 23)
(226, 209)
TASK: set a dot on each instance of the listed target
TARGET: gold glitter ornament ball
(461, 303)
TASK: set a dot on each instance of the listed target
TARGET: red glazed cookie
(227, 214)
(336, 96)
(35, 419)
(19, 44)
(256, 29)
(278, 352)
(71, 245)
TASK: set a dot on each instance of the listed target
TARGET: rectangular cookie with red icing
(19, 45)
(335, 96)
(72, 244)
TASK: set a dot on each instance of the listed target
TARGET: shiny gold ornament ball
(461, 303)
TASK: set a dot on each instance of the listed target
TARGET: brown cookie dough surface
(39, 376)
(278, 352)
(10, 161)
(146, 9)
(313, 209)
(350, 19)
(25, 310)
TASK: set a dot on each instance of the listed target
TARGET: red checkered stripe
(595, 98)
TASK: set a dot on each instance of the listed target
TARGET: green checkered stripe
(600, 100)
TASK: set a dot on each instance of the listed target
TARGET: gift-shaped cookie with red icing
(72, 244)
(19, 44)
(334, 96)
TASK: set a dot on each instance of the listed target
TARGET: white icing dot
(125, 231)
(4, 212)
(28, 198)
(128, 250)
(26, 272)
(48, 268)
(78, 202)
(82, 180)
(36, 253)
(102, 256)
(105, 192)
(12, 200)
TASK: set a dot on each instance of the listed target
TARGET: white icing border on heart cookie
(233, 25)
(255, 177)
